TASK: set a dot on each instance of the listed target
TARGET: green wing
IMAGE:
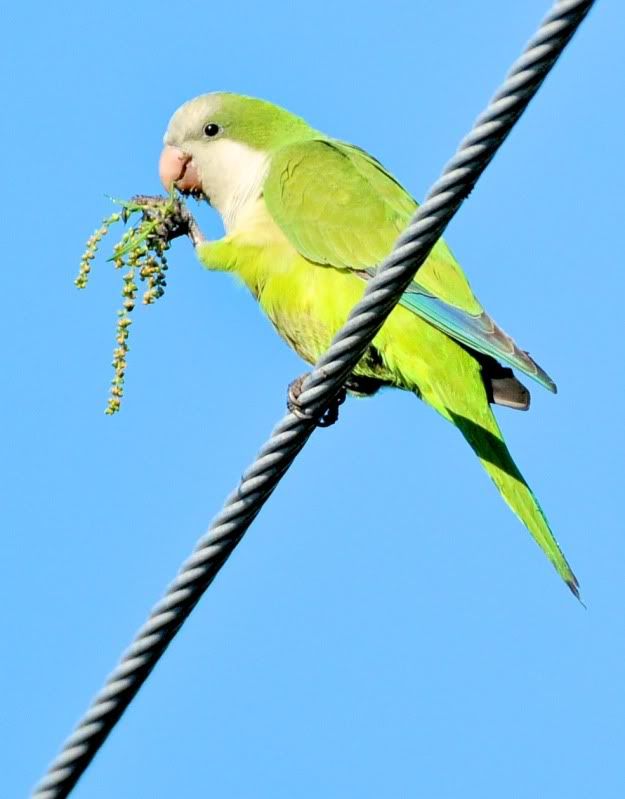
(339, 207)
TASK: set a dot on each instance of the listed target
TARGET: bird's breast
(306, 302)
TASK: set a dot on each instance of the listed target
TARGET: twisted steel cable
(258, 482)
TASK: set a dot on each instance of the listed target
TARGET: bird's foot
(174, 220)
(360, 386)
(327, 418)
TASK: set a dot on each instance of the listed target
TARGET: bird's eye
(211, 130)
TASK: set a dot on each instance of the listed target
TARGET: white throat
(232, 175)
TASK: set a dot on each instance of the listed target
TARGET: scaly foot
(179, 222)
(327, 418)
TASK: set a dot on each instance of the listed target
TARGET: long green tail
(488, 444)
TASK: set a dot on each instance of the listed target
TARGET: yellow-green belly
(308, 303)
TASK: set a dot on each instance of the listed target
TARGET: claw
(327, 418)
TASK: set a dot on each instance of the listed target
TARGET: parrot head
(218, 147)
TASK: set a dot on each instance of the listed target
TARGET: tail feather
(489, 446)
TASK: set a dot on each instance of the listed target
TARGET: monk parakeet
(307, 219)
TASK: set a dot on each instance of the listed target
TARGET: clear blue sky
(387, 627)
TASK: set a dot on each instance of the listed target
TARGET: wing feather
(339, 207)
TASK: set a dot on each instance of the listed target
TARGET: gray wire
(292, 432)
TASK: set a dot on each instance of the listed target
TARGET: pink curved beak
(177, 168)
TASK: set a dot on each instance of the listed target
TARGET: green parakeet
(307, 220)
